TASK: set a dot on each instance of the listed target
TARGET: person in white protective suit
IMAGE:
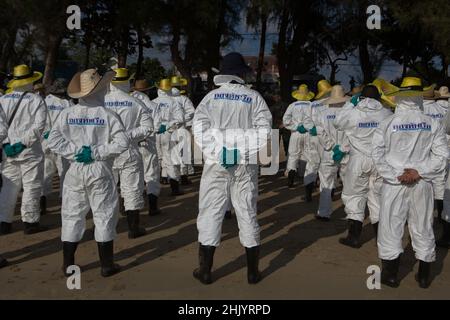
(184, 133)
(437, 111)
(324, 129)
(128, 170)
(362, 183)
(23, 164)
(90, 137)
(171, 117)
(297, 119)
(148, 149)
(314, 149)
(410, 151)
(231, 124)
(52, 162)
(3, 135)
(444, 240)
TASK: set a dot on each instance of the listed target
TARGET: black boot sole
(3, 263)
(136, 234)
(254, 279)
(34, 230)
(390, 283)
(349, 243)
(106, 273)
(423, 284)
(206, 280)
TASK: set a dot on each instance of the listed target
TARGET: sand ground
(300, 257)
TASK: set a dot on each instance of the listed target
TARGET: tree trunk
(445, 63)
(364, 59)
(140, 58)
(123, 50)
(87, 57)
(282, 54)
(51, 59)
(8, 50)
(262, 50)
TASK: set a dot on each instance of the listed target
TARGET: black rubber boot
(375, 230)
(354, 233)
(5, 228)
(439, 206)
(423, 276)
(206, 258)
(175, 186)
(389, 272)
(33, 228)
(308, 192)
(153, 205)
(291, 177)
(106, 254)
(444, 241)
(134, 230)
(185, 181)
(3, 262)
(122, 207)
(164, 180)
(43, 205)
(228, 215)
(69, 249)
(253, 274)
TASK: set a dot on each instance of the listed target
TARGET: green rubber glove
(85, 156)
(46, 134)
(302, 129)
(162, 129)
(313, 132)
(18, 148)
(355, 99)
(338, 155)
(230, 158)
(9, 150)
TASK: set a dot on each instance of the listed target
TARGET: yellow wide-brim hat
(410, 87)
(303, 93)
(323, 89)
(122, 75)
(164, 85)
(383, 88)
(177, 81)
(22, 75)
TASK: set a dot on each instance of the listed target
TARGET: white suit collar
(220, 80)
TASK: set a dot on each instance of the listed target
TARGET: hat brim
(388, 102)
(322, 94)
(303, 97)
(336, 100)
(23, 82)
(73, 90)
(142, 89)
(400, 92)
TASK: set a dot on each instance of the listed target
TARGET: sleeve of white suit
(34, 133)
(262, 122)
(145, 128)
(437, 161)
(288, 120)
(3, 126)
(59, 144)
(379, 157)
(447, 123)
(203, 134)
(118, 143)
(189, 112)
(177, 116)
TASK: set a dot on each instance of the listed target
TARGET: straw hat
(177, 81)
(87, 83)
(337, 96)
(385, 87)
(430, 94)
(323, 88)
(141, 85)
(303, 93)
(22, 75)
(410, 87)
(164, 85)
(443, 93)
(122, 75)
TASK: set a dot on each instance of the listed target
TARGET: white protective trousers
(151, 167)
(296, 151)
(54, 164)
(218, 185)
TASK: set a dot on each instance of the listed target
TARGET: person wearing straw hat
(184, 133)
(410, 152)
(148, 148)
(24, 163)
(329, 136)
(127, 168)
(313, 148)
(362, 183)
(171, 118)
(297, 119)
(53, 163)
(90, 137)
(231, 125)
(3, 135)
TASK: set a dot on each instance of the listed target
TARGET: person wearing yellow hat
(184, 133)
(24, 165)
(384, 88)
(171, 118)
(127, 168)
(410, 152)
(297, 119)
(148, 148)
(90, 137)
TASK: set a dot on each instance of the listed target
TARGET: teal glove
(337, 148)
(162, 129)
(355, 99)
(18, 148)
(338, 155)
(85, 156)
(9, 150)
(230, 158)
(46, 134)
(313, 132)
(302, 129)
